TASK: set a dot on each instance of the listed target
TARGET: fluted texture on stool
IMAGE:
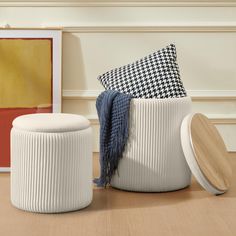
(51, 172)
(153, 160)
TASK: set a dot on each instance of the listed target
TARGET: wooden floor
(191, 211)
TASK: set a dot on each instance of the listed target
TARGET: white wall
(100, 35)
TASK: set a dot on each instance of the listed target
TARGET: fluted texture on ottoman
(51, 172)
(153, 160)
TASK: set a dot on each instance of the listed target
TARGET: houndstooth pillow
(154, 76)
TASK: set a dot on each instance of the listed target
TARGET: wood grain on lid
(210, 152)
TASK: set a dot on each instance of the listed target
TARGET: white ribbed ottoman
(153, 160)
(51, 162)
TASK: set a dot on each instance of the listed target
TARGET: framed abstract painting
(30, 79)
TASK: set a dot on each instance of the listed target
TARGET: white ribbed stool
(153, 160)
(51, 162)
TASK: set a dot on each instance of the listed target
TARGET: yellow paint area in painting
(25, 73)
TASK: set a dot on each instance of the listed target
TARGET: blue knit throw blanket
(113, 112)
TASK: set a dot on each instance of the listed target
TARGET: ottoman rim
(51, 122)
(161, 100)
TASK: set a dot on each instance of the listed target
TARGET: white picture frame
(56, 36)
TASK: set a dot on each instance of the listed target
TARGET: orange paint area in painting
(25, 84)
(25, 72)
(7, 115)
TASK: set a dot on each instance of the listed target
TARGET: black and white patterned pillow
(154, 76)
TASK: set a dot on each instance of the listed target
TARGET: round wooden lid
(206, 153)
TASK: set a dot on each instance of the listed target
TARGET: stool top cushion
(51, 122)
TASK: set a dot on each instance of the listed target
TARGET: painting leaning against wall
(30, 79)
